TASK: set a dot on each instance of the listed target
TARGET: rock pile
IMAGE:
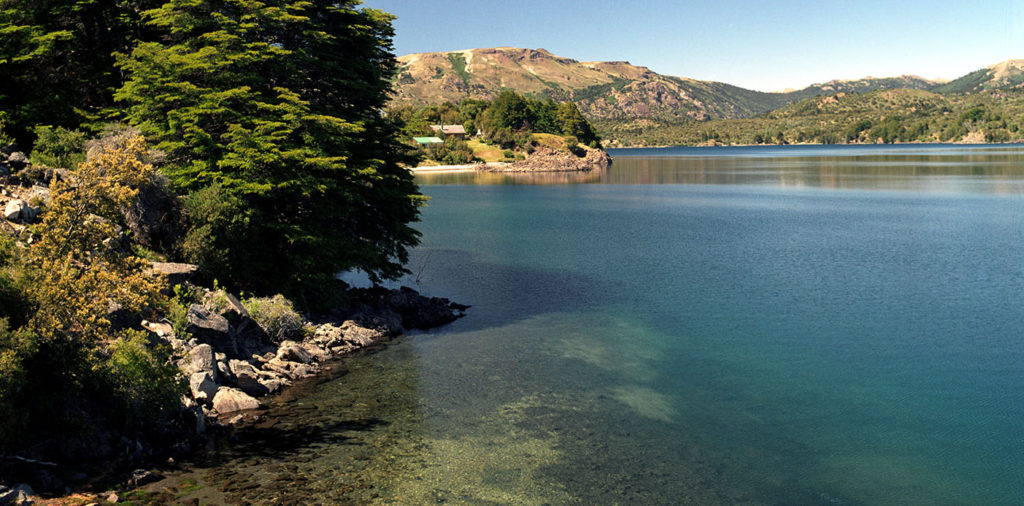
(549, 160)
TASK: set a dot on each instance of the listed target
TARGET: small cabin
(449, 130)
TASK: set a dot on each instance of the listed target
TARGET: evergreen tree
(510, 110)
(278, 103)
(573, 123)
(57, 60)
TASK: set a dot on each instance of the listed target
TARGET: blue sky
(760, 45)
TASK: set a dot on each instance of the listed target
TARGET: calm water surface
(797, 325)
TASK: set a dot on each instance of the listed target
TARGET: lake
(768, 325)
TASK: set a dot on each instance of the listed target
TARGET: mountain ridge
(620, 90)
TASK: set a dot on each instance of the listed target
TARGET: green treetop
(277, 104)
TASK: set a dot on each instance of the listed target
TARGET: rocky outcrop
(548, 160)
(229, 361)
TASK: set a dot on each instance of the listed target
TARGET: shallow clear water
(804, 325)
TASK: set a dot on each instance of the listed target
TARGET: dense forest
(245, 137)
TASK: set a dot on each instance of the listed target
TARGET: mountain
(613, 90)
(1001, 76)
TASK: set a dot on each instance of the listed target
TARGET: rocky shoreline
(232, 364)
(549, 160)
(230, 360)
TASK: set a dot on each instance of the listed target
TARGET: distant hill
(602, 90)
(1004, 75)
(632, 105)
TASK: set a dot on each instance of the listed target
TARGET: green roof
(428, 140)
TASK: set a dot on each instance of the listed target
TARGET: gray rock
(224, 372)
(273, 385)
(21, 494)
(249, 336)
(13, 209)
(358, 335)
(292, 370)
(176, 273)
(203, 387)
(17, 160)
(240, 366)
(142, 477)
(229, 400)
(248, 380)
(201, 359)
(319, 354)
(212, 329)
(293, 352)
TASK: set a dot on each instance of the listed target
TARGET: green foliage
(459, 65)
(145, 384)
(219, 220)
(966, 84)
(452, 151)
(510, 110)
(571, 122)
(276, 316)
(62, 372)
(79, 265)
(176, 309)
(57, 60)
(58, 147)
(278, 103)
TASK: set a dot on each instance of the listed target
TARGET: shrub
(58, 147)
(275, 315)
(177, 309)
(144, 382)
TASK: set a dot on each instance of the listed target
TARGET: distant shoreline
(437, 169)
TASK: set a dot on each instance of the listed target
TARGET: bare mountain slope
(603, 90)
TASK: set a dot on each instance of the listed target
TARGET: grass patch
(486, 152)
(555, 142)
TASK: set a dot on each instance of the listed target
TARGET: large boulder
(14, 208)
(249, 337)
(229, 400)
(21, 494)
(247, 377)
(200, 359)
(211, 328)
(202, 386)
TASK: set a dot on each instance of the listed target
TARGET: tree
(573, 123)
(510, 110)
(57, 59)
(279, 103)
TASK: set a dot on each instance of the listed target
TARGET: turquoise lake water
(795, 325)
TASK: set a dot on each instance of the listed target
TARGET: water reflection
(996, 169)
